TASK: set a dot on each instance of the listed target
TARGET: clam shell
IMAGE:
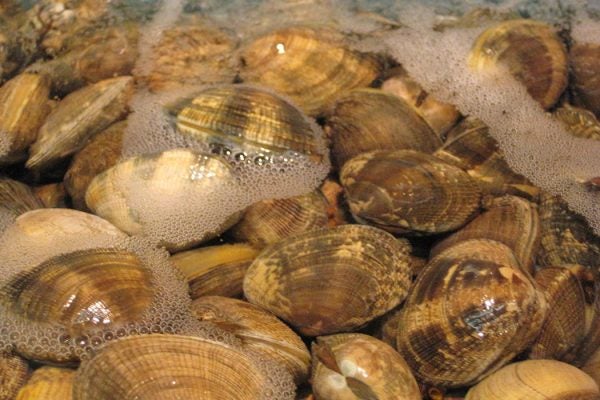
(471, 310)
(258, 330)
(536, 380)
(510, 220)
(77, 118)
(48, 383)
(52, 195)
(215, 270)
(17, 198)
(311, 66)
(270, 221)
(584, 60)
(356, 366)
(102, 152)
(406, 191)
(592, 367)
(365, 120)
(579, 121)
(14, 372)
(361, 271)
(175, 367)
(533, 53)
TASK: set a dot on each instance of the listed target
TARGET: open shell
(361, 271)
(14, 372)
(175, 367)
(48, 383)
(584, 59)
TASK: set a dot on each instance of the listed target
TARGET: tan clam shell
(14, 372)
(258, 330)
(471, 310)
(102, 152)
(533, 53)
(77, 118)
(215, 270)
(270, 221)
(310, 66)
(17, 198)
(579, 121)
(24, 106)
(365, 120)
(510, 220)
(352, 366)
(361, 271)
(536, 380)
(48, 383)
(592, 366)
(52, 195)
(175, 367)
(406, 191)
(584, 59)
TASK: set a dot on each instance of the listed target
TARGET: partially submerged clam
(579, 121)
(48, 383)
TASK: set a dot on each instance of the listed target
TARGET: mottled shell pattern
(14, 372)
(579, 121)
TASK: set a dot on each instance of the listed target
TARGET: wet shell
(17, 198)
(337, 209)
(178, 367)
(102, 152)
(270, 221)
(355, 366)
(579, 121)
(215, 270)
(592, 367)
(310, 66)
(406, 191)
(14, 372)
(52, 195)
(365, 120)
(471, 310)
(24, 106)
(388, 328)
(77, 118)
(533, 53)
(258, 330)
(585, 65)
(361, 271)
(48, 383)
(536, 380)
(247, 117)
(510, 220)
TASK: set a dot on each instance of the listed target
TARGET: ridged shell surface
(17, 198)
(14, 372)
(48, 383)
(584, 60)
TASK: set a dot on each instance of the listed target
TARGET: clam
(592, 366)
(510, 220)
(584, 61)
(579, 121)
(470, 311)
(532, 52)
(311, 66)
(258, 330)
(48, 383)
(388, 326)
(52, 195)
(215, 270)
(474, 18)
(14, 372)
(356, 366)
(77, 118)
(331, 280)
(17, 198)
(406, 191)
(365, 120)
(170, 367)
(102, 152)
(150, 195)
(337, 209)
(24, 106)
(270, 221)
(536, 380)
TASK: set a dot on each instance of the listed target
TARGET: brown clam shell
(533, 53)
(356, 366)
(406, 191)
(52, 195)
(17, 198)
(311, 66)
(258, 330)
(365, 120)
(584, 60)
(592, 367)
(536, 380)
(175, 367)
(361, 271)
(471, 310)
(579, 121)
(48, 383)
(14, 372)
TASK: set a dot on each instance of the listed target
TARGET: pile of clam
(422, 267)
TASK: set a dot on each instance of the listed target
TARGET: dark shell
(14, 372)
(585, 68)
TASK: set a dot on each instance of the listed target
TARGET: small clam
(258, 330)
(77, 118)
(471, 310)
(17, 198)
(579, 121)
(102, 152)
(48, 383)
(532, 52)
(406, 191)
(536, 380)
(365, 120)
(215, 270)
(311, 66)
(331, 280)
(354, 366)
(584, 59)
(178, 367)
(337, 209)
(270, 221)
(14, 372)
(52, 195)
